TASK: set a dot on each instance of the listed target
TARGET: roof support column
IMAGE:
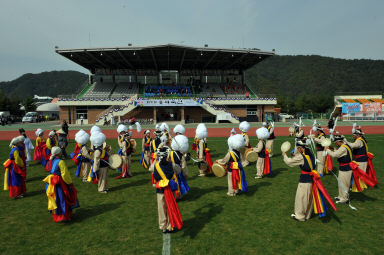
(182, 115)
(154, 115)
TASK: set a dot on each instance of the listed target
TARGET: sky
(30, 29)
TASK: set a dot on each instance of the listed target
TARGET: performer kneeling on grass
(15, 171)
(236, 176)
(310, 192)
(168, 211)
(348, 169)
(62, 195)
(263, 164)
(100, 162)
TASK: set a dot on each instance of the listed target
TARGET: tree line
(308, 83)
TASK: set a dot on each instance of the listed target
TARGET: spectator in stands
(82, 119)
(247, 94)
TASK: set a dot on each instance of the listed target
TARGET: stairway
(209, 108)
(116, 111)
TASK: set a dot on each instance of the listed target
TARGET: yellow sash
(235, 164)
(349, 151)
(6, 187)
(164, 182)
(365, 144)
(50, 193)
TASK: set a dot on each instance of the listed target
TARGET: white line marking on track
(166, 244)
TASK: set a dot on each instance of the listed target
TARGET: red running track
(212, 132)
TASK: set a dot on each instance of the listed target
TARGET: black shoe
(165, 231)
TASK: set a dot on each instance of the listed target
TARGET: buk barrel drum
(219, 170)
(115, 161)
(251, 155)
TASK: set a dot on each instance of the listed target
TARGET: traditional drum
(285, 146)
(326, 142)
(251, 155)
(219, 170)
(115, 161)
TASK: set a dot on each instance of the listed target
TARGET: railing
(358, 93)
(115, 108)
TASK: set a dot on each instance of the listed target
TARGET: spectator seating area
(125, 89)
(168, 90)
(99, 89)
(211, 90)
(235, 90)
(105, 90)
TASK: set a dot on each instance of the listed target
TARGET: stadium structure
(166, 83)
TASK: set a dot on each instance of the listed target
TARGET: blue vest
(345, 159)
(308, 166)
(361, 151)
(262, 152)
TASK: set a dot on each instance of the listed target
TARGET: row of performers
(356, 170)
(177, 158)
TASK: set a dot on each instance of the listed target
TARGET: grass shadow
(361, 197)
(253, 188)
(203, 215)
(276, 172)
(36, 178)
(330, 215)
(130, 184)
(92, 211)
(34, 193)
(195, 192)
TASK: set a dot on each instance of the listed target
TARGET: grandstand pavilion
(165, 83)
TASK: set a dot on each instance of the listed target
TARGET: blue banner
(350, 107)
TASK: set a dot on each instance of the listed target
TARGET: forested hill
(285, 76)
(291, 76)
(44, 84)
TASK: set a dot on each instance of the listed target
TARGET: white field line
(166, 244)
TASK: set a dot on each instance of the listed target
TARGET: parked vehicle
(4, 114)
(286, 116)
(30, 117)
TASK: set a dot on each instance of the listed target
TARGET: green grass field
(124, 221)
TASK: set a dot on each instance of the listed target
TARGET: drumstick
(107, 163)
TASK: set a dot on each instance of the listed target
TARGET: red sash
(359, 174)
(267, 163)
(318, 186)
(370, 169)
(208, 159)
